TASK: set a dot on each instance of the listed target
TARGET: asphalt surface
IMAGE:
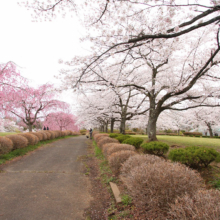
(47, 184)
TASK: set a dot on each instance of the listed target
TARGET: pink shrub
(117, 158)
(18, 141)
(138, 160)
(158, 184)
(205, 204)
(6, 145)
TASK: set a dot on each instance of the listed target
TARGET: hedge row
(22, 140)
(159, 186)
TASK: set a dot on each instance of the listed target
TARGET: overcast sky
(37, 47)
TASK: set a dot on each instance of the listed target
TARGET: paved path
(47, 184)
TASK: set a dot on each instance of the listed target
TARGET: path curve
(47, 184)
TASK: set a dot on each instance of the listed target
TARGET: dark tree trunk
(112, 124)
(30, 128)
(106, 127)
(210, 128)
(122, 126)
(152, 122)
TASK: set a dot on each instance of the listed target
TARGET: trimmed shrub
(106, 140)
(114, 135)
(6, 145)
(118, 147)
(44, 135)
(98, 136)
(158, 184)
(156, 148)
(107, 146)
(36, 139)
(117, 158)
(38, 134)
(63, 134)
(30, 137)
(138, 160)
(203, 205)
(75, 133)
(122, 137)
(53, 135)
(129, 132)
(48, 135)
(194, 156)
(18, 141)
(134, 141)
(193, 133)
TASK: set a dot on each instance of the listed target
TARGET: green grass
(6, 133)
(187, 141)
(23, 151)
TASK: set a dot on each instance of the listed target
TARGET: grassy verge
(186, 141)
(7, 133)
(115, 211)
(23, 151)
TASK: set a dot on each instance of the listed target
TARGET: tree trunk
(210, 129)
(152, 124)
(106, 127)
(30, 128)
(122, 126)
(112, 124)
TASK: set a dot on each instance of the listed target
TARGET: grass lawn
(187, 141)
(6, 133)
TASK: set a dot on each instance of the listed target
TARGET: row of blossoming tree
(147, 57)
(30, 105)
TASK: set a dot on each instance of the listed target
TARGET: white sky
(37, 47)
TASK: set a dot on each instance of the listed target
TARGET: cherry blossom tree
(61, 121)
(30, 104)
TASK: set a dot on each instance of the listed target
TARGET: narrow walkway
(47, 184)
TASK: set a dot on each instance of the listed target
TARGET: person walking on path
(47, 128)
(90, 132)
(44, 128)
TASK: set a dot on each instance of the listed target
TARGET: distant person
(44, 128)
(47, 128)
(90, 132)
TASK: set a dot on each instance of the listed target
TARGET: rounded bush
(114, 135)
(98, 136)
(30, 137)
(134, 141)
(6, 145)
(38, 134)
(194, 156)
(53, 134)
(138, 160)
(156, 148)
(44, 135)
(117, 158)
(158, 184)
(205, 204)
(18, 141)
(48, 135)
(36, 139)
(107, 146)
(105, 140)
(119, 147)
(122, 137)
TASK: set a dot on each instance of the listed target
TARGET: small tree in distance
(61, 121)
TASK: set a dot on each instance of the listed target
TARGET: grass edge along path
(21, 152)
(115, 211)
